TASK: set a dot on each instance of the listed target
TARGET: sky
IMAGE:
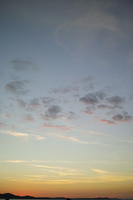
(66, 106)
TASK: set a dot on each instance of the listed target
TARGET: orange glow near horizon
(115, 190)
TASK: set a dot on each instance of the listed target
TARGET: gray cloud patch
(105, 106)
(100, 95)
(93, 98)
(86, 84)
(32, 105)
(21, 65)
(123, 117)
(35, 103)
(115, 100)
(53, 112)
(89, 99)
(101, 100)
(17, 87)
(120, 117)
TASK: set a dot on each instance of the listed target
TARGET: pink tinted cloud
(61, 127)
(106, 121)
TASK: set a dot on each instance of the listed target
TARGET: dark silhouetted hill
(9, 196)
(12, 196)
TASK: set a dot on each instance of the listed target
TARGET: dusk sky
(66, 106)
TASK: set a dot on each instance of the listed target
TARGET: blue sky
(66, 95)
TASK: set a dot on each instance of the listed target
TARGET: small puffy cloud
(89, 99)
(115, 100)
(105, 106)
(123, 117)
(31, 105)
(20, 65)
(53, 112)
(100, 95)
(93, 98)
(120, 117)
(17, 87)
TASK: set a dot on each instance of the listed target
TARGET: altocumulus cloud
(92, 100)
(115, 100)
(101, 100)
(53, 112)
(117, 118)
(17, 87)
(35, 103)
(122, 117)
(89, 99)
(32, 105)
(100, 97)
